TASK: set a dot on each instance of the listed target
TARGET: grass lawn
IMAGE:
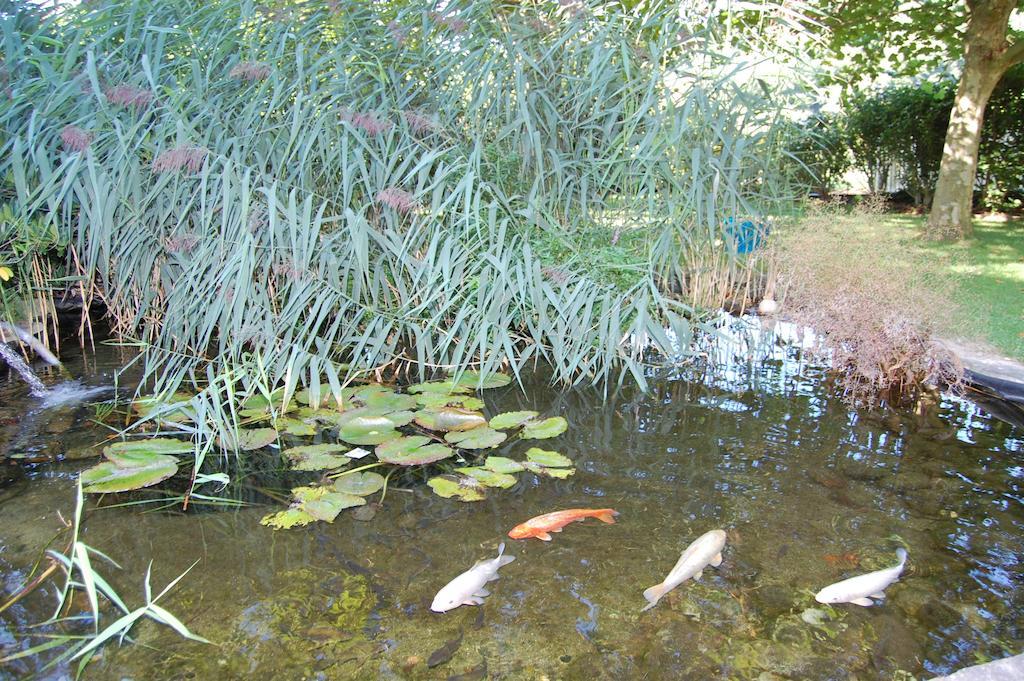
(990, 270)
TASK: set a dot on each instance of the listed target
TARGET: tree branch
(1013, 55)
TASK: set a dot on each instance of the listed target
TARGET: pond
(808, 491)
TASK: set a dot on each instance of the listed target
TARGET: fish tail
(607, 515)
(902, 554)
(654, 594)
(502, 559)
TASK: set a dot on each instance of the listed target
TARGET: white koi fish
(705, 550)
(861, 589)
(468, 588)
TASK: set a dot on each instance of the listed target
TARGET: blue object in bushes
(747, 235)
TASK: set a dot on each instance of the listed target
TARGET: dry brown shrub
(874, 305)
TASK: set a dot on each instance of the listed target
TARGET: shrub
(873, 314)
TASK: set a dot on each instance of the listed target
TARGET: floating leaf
(541, 430)
(442, 387)
(397, 418)
(500, 464)
(461, 487)
(283, 520)
(360, 484)
(294, 426)
(478, 438)
(559, 473)
(317, 457)
(488, 478)
(387, 399)
(368, 430)
(305, 396)
(172, 410)
(547, 458)
(412, 450)
(248, 439)
(450, 419)
(511, 419)
(438, 400)
(328, 506)
(127, 470)
(476, 380)
(160, 445)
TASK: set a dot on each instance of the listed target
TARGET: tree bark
(987, 56)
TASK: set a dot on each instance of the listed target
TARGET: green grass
(990, 271)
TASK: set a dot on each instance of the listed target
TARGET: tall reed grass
(290, 192)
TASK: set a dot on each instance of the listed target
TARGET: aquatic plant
(81, 575)
(301, 227)
(874, 315)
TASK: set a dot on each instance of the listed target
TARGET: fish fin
(501, 549)
(502, 562)
(716, 561)
(880, 594)
(866, 602)
(700, 573)
(543, 536)
(902, 554)
(607, 516)
(473, 600)
(654, 594)
(557, 529)
(481, 593)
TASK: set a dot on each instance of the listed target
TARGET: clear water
(808, 491)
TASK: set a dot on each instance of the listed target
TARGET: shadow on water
(808, 490)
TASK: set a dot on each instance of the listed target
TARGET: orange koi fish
(540, 526)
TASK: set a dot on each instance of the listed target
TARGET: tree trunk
(987, 56)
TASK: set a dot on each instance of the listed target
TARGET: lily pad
(172, 409)
(500, 464)
(411, 451)
(129, 470)
(488, 478)
(476, 380)
(317, 457)
(461, 487)
(541, 430)
(438, 400)
(296, 427)
(547, 458)
(559, 473)
(328, 506)
(159, 445)
(283, 520)
(450, 419)
(386, 399)
(511, 419)
(248, 439)
(360, 484)
(478, 438)
(441, 387)
(368, 430)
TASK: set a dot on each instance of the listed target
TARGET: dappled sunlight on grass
(990, 270)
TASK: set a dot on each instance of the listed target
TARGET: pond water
(808, 491)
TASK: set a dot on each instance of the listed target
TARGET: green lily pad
(499, 464)
(360, 484)
(461, 487)
(305, 396)
(442, 387)
(511, 419)
(283, 520)
(476, 380)
(478, 438)
(380, 397)
(488, 478)
(328, 506)
(129, 470)
(317, 457)
(159, 445)
(296, 427)
(559, 473)
(437, 400)
(541, 430)
(450, 419)
(368, 430)
(547, 458)
(248, 439)
(411, 451)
